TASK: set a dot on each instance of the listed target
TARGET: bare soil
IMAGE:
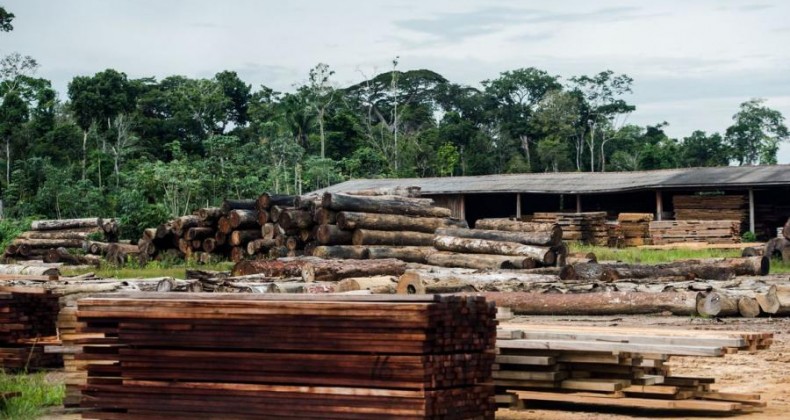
(766, 372)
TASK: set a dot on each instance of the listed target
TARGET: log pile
(63, 240)
(617, 367)
(710, 231)
(219, 355)
(711, 207)
(588, 227)
(27, 321)
(635, 228)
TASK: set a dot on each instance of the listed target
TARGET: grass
(37, 393)
(152, 269)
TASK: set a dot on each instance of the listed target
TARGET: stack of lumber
(62, 240)
(769, 215)
(499, 243)
(615, 235)
(27, 320)
(616, 367)
(635, 228)
(710, 231)
(711, 207)
(588, 228)
(229, 355)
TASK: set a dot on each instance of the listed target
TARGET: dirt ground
(766, 372)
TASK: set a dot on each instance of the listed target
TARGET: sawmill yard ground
(766, 372)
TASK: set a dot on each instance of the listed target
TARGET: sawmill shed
(765, 192)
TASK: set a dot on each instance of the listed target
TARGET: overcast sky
(693, 62)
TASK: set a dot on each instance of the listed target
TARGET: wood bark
(479, 261)
(229, 205)
(294, 243)
(242, 237)
(209, 214)
(349, 252)
(237, 253)
(272, 268)
(610, 272)
(224, 226)
(776, 301)
(336, 270)
(744, 266)
(240, 219)
(333, 235)
(62, 224)
(543, 255)
(444, 281)
(415, 254)
(265, 201)
(607, 303)
(164, 230)
(545, 238)
(209, 244)
(49, 243)
(81, 234)
(199, 233)
(517, 226)
(714, 304)
(184, 223)
(411, 191)
(350, 220)
(263, 217)
(170, 284)
(753, 251)
(117, 254)
(28, 270)
(774, 247)
(276, 211)
(63, 255)
(393, 205)
(259, 246)
(376, 284)
(748, 307)
(322, 216)
(295, 219)
(382, 237)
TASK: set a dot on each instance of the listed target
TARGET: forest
(146, 150)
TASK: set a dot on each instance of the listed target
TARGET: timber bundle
(712, 207)
(617, 367)
(635, 228)
(586, 227)
(710, 231)
(26, 318)
(351, 357)
(71, 241)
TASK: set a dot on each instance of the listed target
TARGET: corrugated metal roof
(586, 182)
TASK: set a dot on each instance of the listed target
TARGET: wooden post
(578, 203)
(659, 205)
(462, 216)
(751, 210)
(518, 206)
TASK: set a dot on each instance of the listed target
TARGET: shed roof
(724, 177)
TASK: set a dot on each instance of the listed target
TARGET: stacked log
(635, 228)
(710, 231)
(63, 240)
(587, 228)
(289, 356)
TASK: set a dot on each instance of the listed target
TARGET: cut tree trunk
(209, 214)
(715, 304)
(267, 231)
(376, 284)
(393, 205)
(479, 261)
(117, 254)
(184, 223)
(336, 270)
(346, 252)
(49, 243)
(63, 255)
(263, 217)
(605, 303)
(199, 233)
(62, 224)
(332, 235)
(543, 255)
(412, 191)
(744, 266)
(242, 237)
(265, 201)
(441, 281)
(240, 219)
(748, 307)
(753, 251)
(295, 219)
(272, 268)
(611, 272)
(415, 254)
(545, 238)
(776, 301)
(350, 220)
(170, 284)
(223, 225)
(517, 226)
(209, 244)
(229, 205)
(259, 246)
(383, 237)
(28, 270)
(81, 234)
(322, 216)
(774, 247)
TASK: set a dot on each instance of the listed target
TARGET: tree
(5, 20)
(558, 118)
(756, 134)
(322, 94)
(13, 114)
(699, 149)
(604, 111)
(125, 143)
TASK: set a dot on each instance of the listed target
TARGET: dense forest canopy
(146, 149)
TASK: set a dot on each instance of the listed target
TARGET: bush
(11, 228)
(749, 237)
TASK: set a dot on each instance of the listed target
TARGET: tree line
(146, 150)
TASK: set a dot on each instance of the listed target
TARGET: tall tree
(755, 135)
(322, 94)
(13, 114)
(700, 149)
(5, 20)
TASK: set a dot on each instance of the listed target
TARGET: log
(776, 301)
(276, 211)
(242, 237)
(149, 234)
(242, 219)
(543, 255)
(295, 219)
(209, 244)
(376, 284)
(415, 254)
(517, 226)
(294, 243)
(265, 201)
(28, 270)
(63, 255)
(393, 205)
(170, 284)
(411, 191)
(259, 246)
(383, 237)
(49, 243)
(224, 226)
(61, 224)
(336, 270)
(307, 202)
(715, 304)
(348, 252)
(753, 251)
(95, 248)
(228, 205)
(544, 238)
(263, 217)
(442, 281)
(611, 272)
(81, 234)
(333, 235)
(209, 214)
(748, 307)
(267, 231)
(350, 220)
(278, 252)
(271, 268)
(605, 303)
(479, 261)
(237, 253)
(110, 228)
(199, 233)
(164, 230)
(184, 223)
(117, 254)
(322, 216)
(744, 266)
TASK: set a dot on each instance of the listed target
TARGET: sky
(693, 62)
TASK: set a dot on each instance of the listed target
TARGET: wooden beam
(751, 210)
(659, 205)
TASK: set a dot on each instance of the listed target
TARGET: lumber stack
(588, 227)
(711, 207)
(635, 228)
(616, 367)
(227, 355)
(710, 231)
(27, 323)
(63, 240)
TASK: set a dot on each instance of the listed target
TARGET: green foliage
(5, 20)
(749, 237)
(651, 256)
(756, 133)
(38, 392)
(11, 228)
